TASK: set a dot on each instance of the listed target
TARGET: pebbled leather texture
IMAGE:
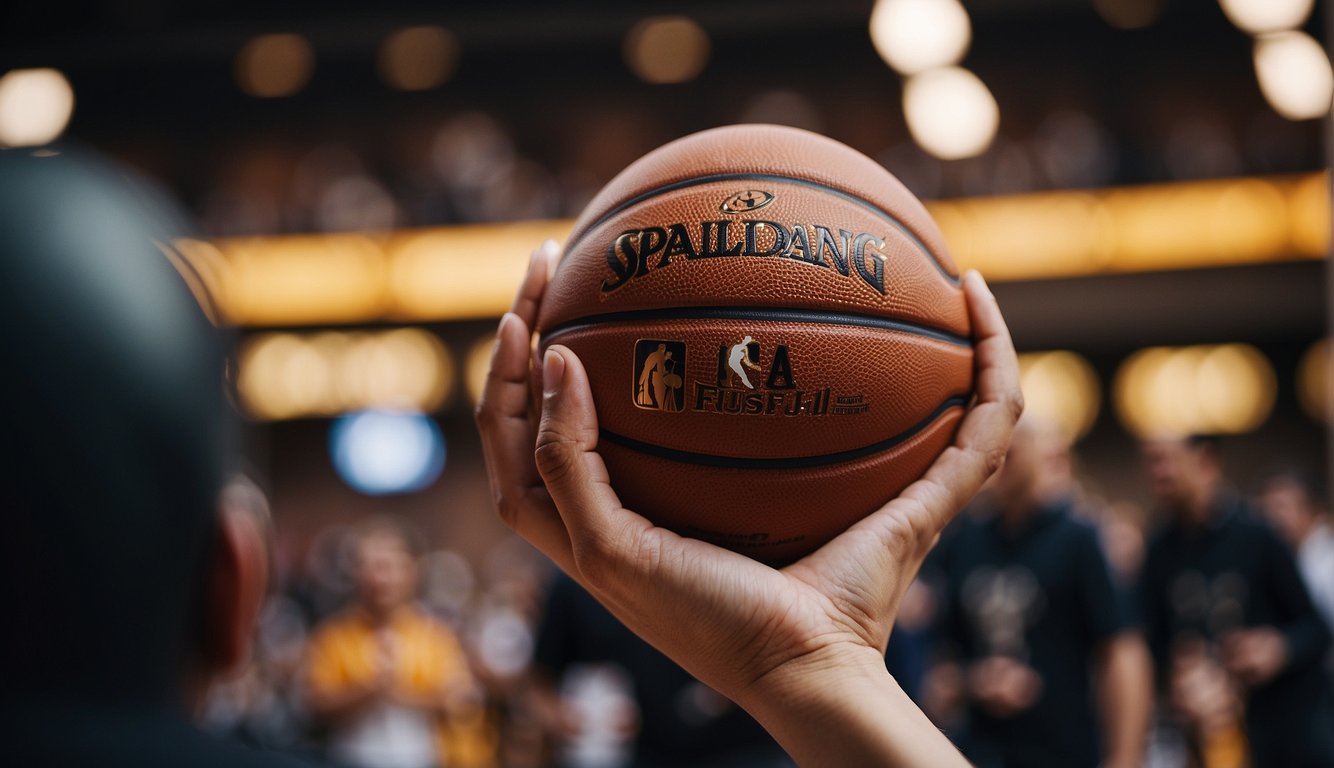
(865, 372)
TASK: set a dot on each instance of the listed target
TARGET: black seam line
(696, 181)
(796, 462)
(758, 315)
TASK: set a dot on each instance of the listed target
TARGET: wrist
(839, 706)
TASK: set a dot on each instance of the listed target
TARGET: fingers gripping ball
(774, 333)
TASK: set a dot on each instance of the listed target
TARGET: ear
(235, 587)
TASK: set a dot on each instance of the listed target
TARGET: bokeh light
(1261, 16)
(477, 365)
(1129, 14)
(916, 35)
(35, 107)
(1214, 389)
(418, 58)
(1061, 388)
(275, 65)
(1294, 74)
(384, 452)
(1313, 381)
(667, 49)
(286, 375)
(950, 112)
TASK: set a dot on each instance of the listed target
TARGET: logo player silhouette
(738, 356)
(657, 381)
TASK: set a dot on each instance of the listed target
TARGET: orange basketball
(774, 333)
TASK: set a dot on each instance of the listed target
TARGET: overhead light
(418, 58)
(1313, 381)
(1260, 16)
(384, 452)
(1061, 388)
(667, 49)
(477, 365)
(950, 112)
(35, 107)
(916, 35)
(287, 376)
(1219, 389)
(1294, 74)
(1129, 14)
(271, 66)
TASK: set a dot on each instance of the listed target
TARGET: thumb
(575, 476)
(568, 429)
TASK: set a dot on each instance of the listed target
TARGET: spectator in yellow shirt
(384, 677)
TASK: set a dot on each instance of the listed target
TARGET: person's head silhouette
(128, 585)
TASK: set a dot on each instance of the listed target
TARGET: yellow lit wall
(469, 272)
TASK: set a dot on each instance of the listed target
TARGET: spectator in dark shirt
(1034, 619)
(1237, 644)
(670, 719)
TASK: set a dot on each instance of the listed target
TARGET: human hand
(1201, 692)
(785, 644)
(1254, 656)
(1003, 687)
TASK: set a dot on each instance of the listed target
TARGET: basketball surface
(774, 333)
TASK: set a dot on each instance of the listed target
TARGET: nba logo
(657, 383)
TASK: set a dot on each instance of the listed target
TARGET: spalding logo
(746, 201)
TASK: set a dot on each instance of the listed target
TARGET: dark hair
(112, 432)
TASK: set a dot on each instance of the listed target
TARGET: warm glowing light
(1313, 381)
(1224, 389)
(270, 66)
(1294, 74)
(1129, 14)
(1061, 388)
(477, 365)
(916, 35)
(950, 112)
(463, 272)
(1260, 16)
(305, 279)
(35, 107)
(667, 49)
(418, 58)
(469, 272)
(284, 375)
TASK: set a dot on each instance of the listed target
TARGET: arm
(1125, 688)
(800, 648)
(1256, 655)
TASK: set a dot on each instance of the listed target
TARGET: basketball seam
(793, 462)
(698, 180)
(758, 314)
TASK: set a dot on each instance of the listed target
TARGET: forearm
(1126, 693)
(847, 711)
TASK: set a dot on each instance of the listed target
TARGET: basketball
(774, 332)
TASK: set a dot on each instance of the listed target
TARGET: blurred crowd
(1050, 627)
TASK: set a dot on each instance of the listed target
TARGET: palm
(726, 618)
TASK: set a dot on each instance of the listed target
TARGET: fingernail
(553, 372)
(551, 252)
